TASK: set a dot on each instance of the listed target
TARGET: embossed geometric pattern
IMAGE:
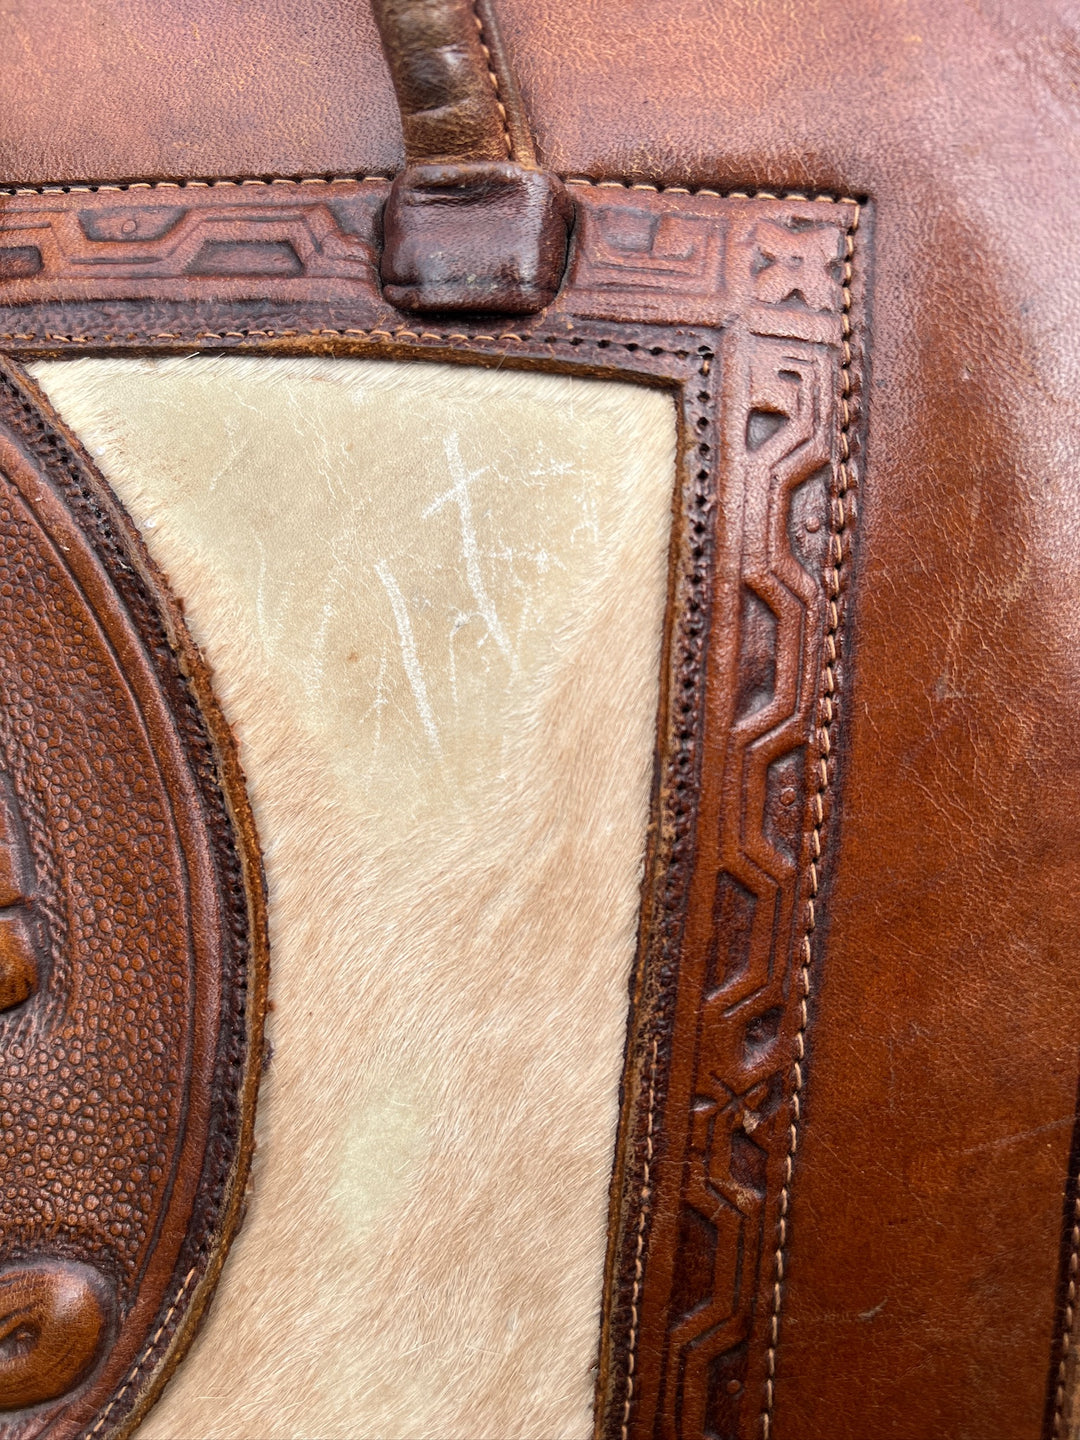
(721, 1033)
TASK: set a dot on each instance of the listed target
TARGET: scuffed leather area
(433, 601)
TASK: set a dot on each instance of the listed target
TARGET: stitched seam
(604, 342)
(842, 517)
(133, 1373)
(494, 81)
(191, 184)
(828, 197)
(1067, 1322)
(646, 1192)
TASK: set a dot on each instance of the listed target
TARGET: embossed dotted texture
(93, 1076)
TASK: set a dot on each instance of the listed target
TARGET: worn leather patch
(131, 954)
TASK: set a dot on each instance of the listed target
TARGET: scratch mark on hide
(336, 580)
(375, 708)
(459, 493)
(409, 657)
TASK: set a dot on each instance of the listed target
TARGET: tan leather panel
(433, 600)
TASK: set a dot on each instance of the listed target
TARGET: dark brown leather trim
(487, 238)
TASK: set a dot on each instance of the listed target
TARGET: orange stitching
(494, 82)
(1067, 1324)
(427, 336)
(644, 1196)
(638, 1266)
(828, 198)
(841, 518)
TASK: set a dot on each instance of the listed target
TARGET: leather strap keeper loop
(470, 225)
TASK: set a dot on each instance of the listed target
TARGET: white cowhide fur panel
(433, 600)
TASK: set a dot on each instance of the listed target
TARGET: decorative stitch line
(133, 1373)
(575, 341)
(1067, 1323)
(638, 1266)
(494, 81)
(823, 196)
(846, 479)
(645, 1193)
(192, 184)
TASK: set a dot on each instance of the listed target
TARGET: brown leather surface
(135, 90)
(926, 1212)
(128, 1066)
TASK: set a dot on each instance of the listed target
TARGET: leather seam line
(494, 81)
(828, 197)
(133, 1373)
(1067, 1322)
(823, 196)
(841, 518)
(645, 1192)
(93, 189)
(644, 1198)
(146, 337)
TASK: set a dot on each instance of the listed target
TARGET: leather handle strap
(471, 225)
(454, 86)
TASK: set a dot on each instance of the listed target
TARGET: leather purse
(504, 507)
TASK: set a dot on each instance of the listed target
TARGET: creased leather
(480, 237)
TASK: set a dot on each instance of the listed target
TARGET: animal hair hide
(433, 600)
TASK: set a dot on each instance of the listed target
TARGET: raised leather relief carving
(110, 242)
(53, 1318)
(131, 958)
(661, 258)
(20, 921)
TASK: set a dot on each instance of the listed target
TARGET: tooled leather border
(704, 1361)
(688, 290)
